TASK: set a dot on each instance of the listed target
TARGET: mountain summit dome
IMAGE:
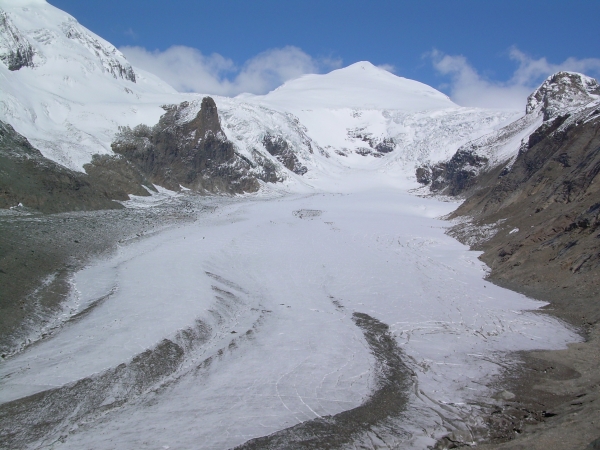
(361, 85)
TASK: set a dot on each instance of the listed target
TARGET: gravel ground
(554, 400)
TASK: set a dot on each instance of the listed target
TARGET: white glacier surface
(275, 281)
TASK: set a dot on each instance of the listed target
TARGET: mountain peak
(358, 86)
(563, 91)
(362, 65)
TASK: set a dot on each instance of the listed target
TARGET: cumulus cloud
(189, 70)
(469, 88)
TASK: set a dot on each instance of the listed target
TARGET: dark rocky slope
(30, 179)
(195, 155)
(280, 149)
(174, 153)
(15, 50)
(543, 211)
(547, 211)
(562, 96)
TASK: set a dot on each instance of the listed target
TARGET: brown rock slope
(538, 223)
(547, 212)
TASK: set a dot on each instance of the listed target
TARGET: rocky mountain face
(537, 221)
(280, 149)
(562, 95)
(537, 218)
(17, 50)
(563, 92)
(546, 211)
(179, 152)
(111, 60)
(192, 154)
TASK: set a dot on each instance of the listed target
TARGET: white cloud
(469, 88)
(188, 70)
(390, 68)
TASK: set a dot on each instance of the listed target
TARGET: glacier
(255, 301)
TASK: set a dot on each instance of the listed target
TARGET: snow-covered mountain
(71, 94)
(68, 91)
(342, 89)
(344, 319)
(363, 110)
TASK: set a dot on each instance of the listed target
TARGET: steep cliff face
(280, 149)
(195, 155)
(561, 93)
(537, 222)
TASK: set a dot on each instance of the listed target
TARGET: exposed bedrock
(196, 154)
(536, 218)
(548, 208)
(280, 149)
(455, 176)
(15, 50)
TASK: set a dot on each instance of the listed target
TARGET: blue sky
(486, 53)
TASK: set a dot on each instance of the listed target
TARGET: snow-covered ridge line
(27, 40)
(65, 88)
(563, 92)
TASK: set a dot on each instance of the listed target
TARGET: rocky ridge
(111, 60)
(26, 177)
(543, 203)
(564, 94)
(184, 150)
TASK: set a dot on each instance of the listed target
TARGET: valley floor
(283, 321)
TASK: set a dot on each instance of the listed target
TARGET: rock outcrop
(537, 221)
(36, 182)
(377, 145)
(30, 180)
(104, 54)
(563, 92)
(15, 50)
(280, 149)
(193, 154)
(455, 176)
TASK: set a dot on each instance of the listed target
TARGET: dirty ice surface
(258, 296)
